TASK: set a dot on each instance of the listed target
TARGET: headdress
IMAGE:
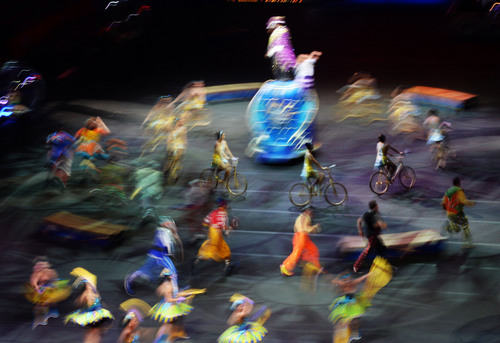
(84, 275)
(135, 308)
(238, 299)
(274, 21)
(221, 202)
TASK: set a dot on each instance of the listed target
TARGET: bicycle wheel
(379, 183)
(208, 176)
(300, 194)
(335, 193)
(236, 184)
(407, 177)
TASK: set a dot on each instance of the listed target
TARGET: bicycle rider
(382, 159)
(222, 154)
(308, 170)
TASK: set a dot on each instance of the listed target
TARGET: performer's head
(242, 303)
(221, 202)
(41, 263)
(432, 112)
(308, 210)
(456, 181)
(221, 135)
(373, 206)
(91, 123)
(381, 138)
(274, 22)
(309, 146)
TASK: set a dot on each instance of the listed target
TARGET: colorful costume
(303, 248)
(370, 219)
(307, 169)
(167, 312)
(158, 257)
(136, 310)
(92, 316)
(89, 143)
(454, 201)
(280, 49)
(215, 247)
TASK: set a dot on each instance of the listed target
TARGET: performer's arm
(463, 200)
(359, 224)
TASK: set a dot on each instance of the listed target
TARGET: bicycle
(236, 184)
(335, 193)
(380, 181)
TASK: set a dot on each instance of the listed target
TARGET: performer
(92, 315)
(348, 308)
(304, 69)
(136, 310)
(60, 157)
(215, 247)
(45, 289)
(374, 226)
(158, 256)
(89, 138)
(279, 49)
(308, 170)
(222, 154)
(382, 158)
(193, 100)
(148, 181)
(177, 143)
(170, 309)
(453, 202)
(243, 328)
(435, 126)
(303, 248)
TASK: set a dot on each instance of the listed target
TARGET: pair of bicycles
(335, 193)
(236, 183)
(382, 179)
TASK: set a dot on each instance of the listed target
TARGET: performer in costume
(177, 143)
(382, 159)
(158, 256)
(304, 69)
(136, 310)
(60, 157)
(148, 182)
(222, 154)
(453, 202)
(215, 247)
(279, 49)
(308, 170)
(348, 308)
(303, 248)
(170, 310)
(88, 141)
(243, 328)
(45, 289)
(374, 226)
(92, 315)
(192, 104)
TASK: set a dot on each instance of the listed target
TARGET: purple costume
(280, 49)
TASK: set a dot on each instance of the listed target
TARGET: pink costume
(280, 47)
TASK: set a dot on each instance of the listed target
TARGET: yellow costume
(215, 247)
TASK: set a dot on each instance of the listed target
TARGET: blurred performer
(308, 170)
(170, 310)
(92, 315)
(177, 142)
(382, 159)
(158, 124)
(60, 157)
(303, 248)
(374, 225)
(215, 247)
(45, 289)
(89, 138)
(362, 86)
(158, 256)
(348, 308)
(453, 202)
(192, 104)
(435, 126)
(279, 49)
(243, 328)
(304, 69)
(222, 154)
(136, 311)
(148, 182)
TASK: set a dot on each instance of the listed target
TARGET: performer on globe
(45, 290)
(215, 247)
(60, 157)
(279, 49)
(158, 256)
(91, 315)
(241, 325)
(453, 202)
(303, 247)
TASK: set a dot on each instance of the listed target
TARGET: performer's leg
(291, 261)
(362, 256)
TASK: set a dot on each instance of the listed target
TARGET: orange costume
(215, 247)
(303, 248)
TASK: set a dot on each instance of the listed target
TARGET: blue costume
(157, 259)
